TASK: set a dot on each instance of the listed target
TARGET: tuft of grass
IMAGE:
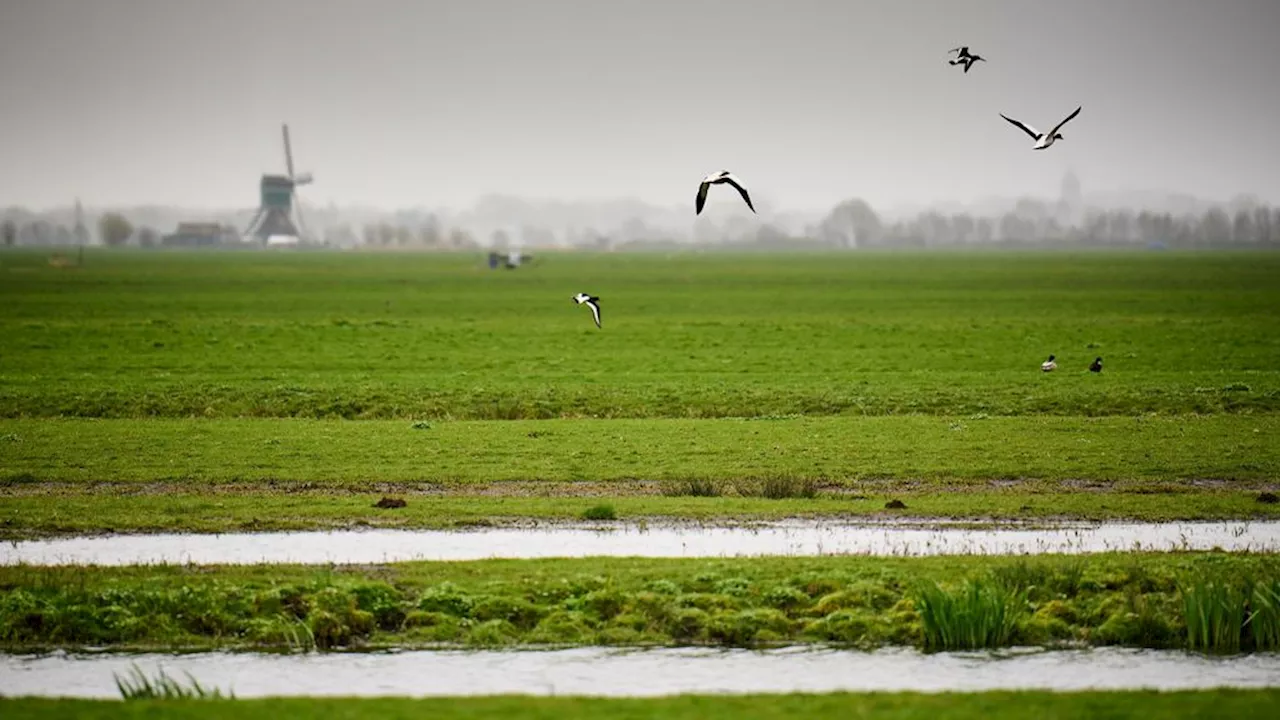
(693, 487)
(1216, 612)
(137, 686)
(978, 615)
(784, 488)
(1264, 622)
(603, 511)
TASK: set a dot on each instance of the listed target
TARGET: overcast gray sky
(414, 102)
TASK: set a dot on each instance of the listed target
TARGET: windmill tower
(278, 210)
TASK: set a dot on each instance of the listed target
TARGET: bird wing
(595, 311)
(702, 196)
(1058, 127)
(1025, 128)
(741, 190)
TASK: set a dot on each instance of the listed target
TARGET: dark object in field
(895, 505)
(1268, 498)
(1096, 366)
(390, 502)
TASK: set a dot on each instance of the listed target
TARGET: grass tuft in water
(137, 686)
(980, 614)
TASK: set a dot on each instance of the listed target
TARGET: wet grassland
(219, 392)
(207, 391)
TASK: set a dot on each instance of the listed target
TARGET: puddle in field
(637, 673)
(795, 537)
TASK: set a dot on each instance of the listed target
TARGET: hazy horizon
(402, 103)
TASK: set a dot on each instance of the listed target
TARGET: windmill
(278, 210)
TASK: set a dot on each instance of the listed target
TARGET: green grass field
(285, 389)
(895, 706)
(421, 336)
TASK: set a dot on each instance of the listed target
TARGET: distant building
(201, 234)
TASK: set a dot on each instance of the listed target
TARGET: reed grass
(137, 686)
(1264, 623)
(980, 614)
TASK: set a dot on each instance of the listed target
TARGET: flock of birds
(724, 177)
(1051, 364)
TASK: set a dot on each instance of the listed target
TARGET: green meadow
(147, 385)
(422, 336)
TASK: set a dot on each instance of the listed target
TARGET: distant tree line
(850, 224)
(854, 223)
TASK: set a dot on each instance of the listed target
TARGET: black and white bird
(1043, 140)
(965, 58)
(591, 302)
(1096, 366)
(724, 176)
(1048, 365)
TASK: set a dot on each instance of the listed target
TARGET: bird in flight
(591, 302)
(964, 58)
(1048, 365)
(1043, 140)
(715, 179)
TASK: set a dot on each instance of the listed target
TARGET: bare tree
(9, 233)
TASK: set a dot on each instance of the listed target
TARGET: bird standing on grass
(1096, 366)
(724, 176)
(1048, 365)
(591, 302)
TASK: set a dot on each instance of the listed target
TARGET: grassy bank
(1195, 600)
(422, 336)
(46, 512)
(898, 706)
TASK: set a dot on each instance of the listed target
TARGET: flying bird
(1048, 365)
(1043, 140)
(715, 179)
(1096, 366)
(964, 58)
(591, 302)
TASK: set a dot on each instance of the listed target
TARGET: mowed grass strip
(1130, 599)
(418, 336)
(1148, 705)
(837, 451)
